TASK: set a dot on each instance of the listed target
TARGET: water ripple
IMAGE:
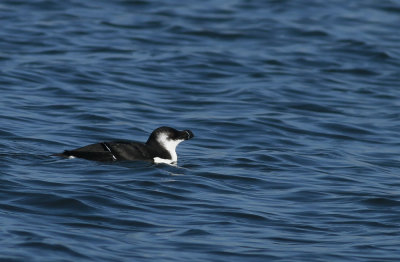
(294, 106)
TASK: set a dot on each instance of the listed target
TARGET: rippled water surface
(295, 107)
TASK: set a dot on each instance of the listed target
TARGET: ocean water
(295, 107)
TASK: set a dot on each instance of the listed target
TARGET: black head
(169, 133)
(164, 140)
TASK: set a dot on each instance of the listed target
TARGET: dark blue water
(295, 106)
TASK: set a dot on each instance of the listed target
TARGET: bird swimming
(159, 148)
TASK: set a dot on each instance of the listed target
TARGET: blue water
(295, 107)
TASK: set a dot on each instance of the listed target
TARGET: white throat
(169, 145)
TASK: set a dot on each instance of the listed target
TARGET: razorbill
(159, 148)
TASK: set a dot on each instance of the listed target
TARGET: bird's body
(159, 148)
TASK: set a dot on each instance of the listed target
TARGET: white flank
(158, 160)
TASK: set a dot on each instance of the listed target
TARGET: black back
(118, 150)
